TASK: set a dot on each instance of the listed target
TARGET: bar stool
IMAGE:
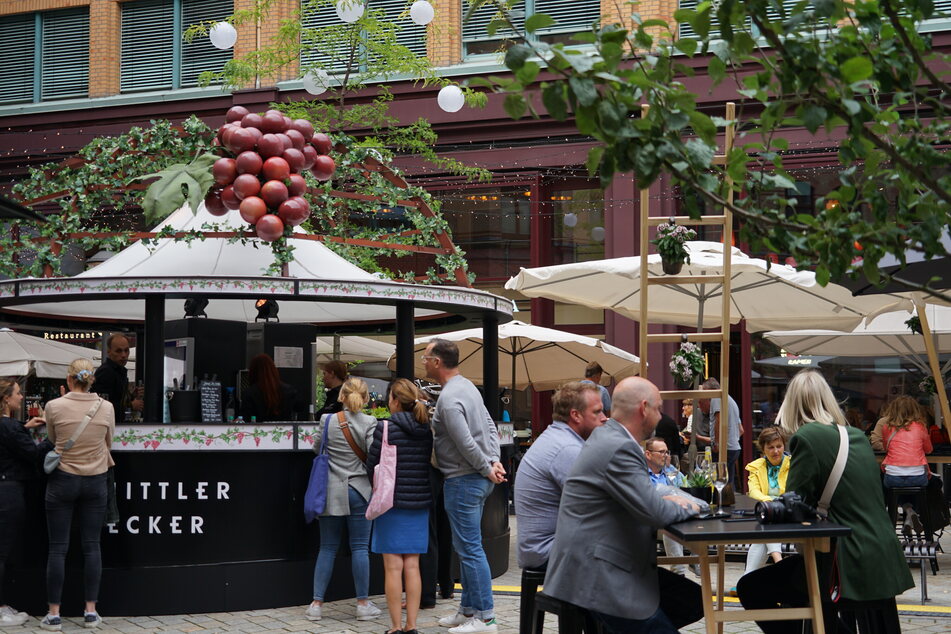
(572, 619)
(920, 494)
(531, 579)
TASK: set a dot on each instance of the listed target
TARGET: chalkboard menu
(210, 401)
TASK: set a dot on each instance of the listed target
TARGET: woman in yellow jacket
(767, 480)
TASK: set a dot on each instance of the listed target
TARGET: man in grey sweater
(467, 449)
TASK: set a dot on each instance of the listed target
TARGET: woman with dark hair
(267, 398)
(77, 487)
(18, 461)
(401, 534)
(866, 568)
(334, 375)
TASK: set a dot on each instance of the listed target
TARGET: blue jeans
(86, 495)
(331, 532)
(465, 496)
(892, 481)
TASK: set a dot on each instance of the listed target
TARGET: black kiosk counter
(211, 520)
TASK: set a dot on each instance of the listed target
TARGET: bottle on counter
(239, 420)
(230, 405)
(254, 419)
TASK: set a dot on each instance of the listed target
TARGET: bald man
(604, 557)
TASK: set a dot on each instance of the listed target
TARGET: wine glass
(721, 475)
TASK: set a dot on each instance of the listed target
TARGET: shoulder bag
(384, 478)
(315, 498)
(52, 459)
(345, 428)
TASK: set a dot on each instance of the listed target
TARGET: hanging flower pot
(686, 364)
(670, 241)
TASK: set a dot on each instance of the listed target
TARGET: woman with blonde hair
(866, 566)
(77, 486)
(349, 435)
(402, 533)
(18, 464)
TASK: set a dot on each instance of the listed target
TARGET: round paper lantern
(349, 11)
(451, 99)
(223, 35)
(597, 234)
(421, 12)
(316, 81)
(571, 220)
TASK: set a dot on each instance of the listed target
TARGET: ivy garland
(96, 198)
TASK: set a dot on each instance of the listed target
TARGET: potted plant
(670, 245)
(699, 485)
(686, 364)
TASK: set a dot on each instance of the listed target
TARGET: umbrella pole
(933, 363)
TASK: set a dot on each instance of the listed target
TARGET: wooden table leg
(721, 565)
(706, 590)
(812, 581)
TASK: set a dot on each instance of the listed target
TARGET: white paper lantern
(350, 11)
(571, 220)
(422, 13)
(597, 234)
(317, 81)
(451, 99)
(223, 36)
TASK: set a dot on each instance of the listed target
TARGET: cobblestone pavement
(934, 616)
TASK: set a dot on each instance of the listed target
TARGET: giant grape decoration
(262, 177)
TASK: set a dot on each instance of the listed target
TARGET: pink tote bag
(384, 478)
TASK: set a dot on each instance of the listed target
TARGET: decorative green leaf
(515, 105)
(553, 97)
(856, 69)
(516, 55)
(594, 159)
(584, 90)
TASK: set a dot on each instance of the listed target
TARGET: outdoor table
(699, 535)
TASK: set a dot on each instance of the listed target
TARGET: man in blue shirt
(545, 467)
(662, 472)
(592, 374)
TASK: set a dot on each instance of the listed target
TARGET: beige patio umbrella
(353, 348)
(23, 355)
(542, 358)
(768, 297)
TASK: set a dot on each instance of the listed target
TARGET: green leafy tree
(861, 70)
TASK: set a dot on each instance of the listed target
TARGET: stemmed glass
(721, 475)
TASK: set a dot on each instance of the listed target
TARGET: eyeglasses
(427, 357)
(665, 452)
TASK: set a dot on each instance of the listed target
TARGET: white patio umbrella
(22, 355)
(353, 348)
(884, 336)
(769, 297)
(542, 358)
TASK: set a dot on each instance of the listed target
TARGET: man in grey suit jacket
(604, 557)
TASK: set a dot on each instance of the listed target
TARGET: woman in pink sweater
(906, 443)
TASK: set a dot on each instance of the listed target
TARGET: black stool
(870, 617)
(531, 579)
(920, 494)
(572, 619)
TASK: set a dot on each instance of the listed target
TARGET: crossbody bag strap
(889, 441)
(82, 426)
(836, 474)
(345, 428)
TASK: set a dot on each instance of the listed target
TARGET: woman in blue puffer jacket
(402, 533)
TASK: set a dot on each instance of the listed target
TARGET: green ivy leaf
(594, 159)
(584, 90)
(856, 69)
(553, 96)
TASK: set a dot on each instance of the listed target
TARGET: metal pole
(154, 359)
(490, 364)
(405, 332)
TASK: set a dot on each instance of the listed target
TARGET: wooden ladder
(725, 220)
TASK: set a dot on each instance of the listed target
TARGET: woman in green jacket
(868, 565)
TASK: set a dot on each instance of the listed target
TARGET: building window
(571, 16)
(326, 51)
(155, 57)
(46, 56)
(578, 225)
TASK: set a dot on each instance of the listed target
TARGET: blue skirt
(401, 532)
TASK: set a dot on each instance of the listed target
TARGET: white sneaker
(455, 620)
(92, 620)
(313, 613)
(475, 624)
(367, 612)
(12, 620)
(9, 609)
